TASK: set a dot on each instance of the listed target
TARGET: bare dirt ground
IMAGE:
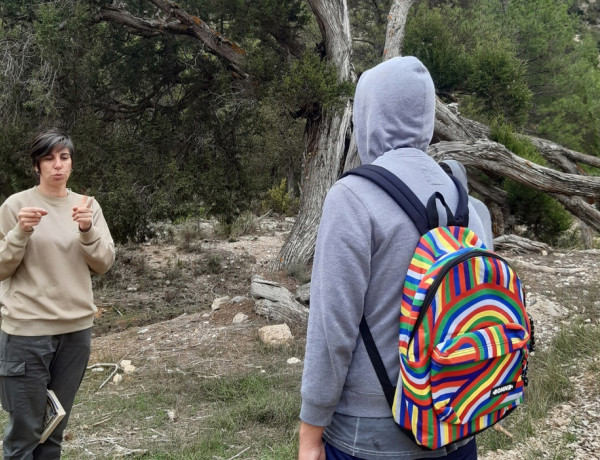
(188, 295)
(563, 288)
(156, 308)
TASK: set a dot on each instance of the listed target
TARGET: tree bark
(489, 193)
(277, 303)
(584, 211)
(518, 244)
(323, 162)
(177, 22)
(395, 28)
(587, 235)
(326, 144)
(495, 159)
(555, 154)
(449, 126)
(331, 155)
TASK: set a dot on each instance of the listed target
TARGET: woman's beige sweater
(46, 286)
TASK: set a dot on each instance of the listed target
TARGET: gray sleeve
(486, 221)
(340, 276)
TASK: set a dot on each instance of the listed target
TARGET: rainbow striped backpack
(464, 336)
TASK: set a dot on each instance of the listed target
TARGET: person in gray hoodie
(457, 169)
(364, 246)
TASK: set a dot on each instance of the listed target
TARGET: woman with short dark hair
(51, 239)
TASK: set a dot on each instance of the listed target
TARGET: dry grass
(204, 388)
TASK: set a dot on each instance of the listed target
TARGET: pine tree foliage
(165, 129)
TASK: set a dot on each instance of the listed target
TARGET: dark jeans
(466, 452)
(29, 366)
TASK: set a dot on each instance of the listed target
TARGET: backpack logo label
(504, 388)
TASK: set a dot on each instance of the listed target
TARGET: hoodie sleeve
(97, 244)
(13, 242)
(340, 277)
(486, 221)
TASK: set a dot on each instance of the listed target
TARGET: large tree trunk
(326, 143)
(322, 166)
(328, 153)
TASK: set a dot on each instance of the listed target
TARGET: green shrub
(469, 60)
(189, 236)
(244, 224)
(214, 264)
(311, 84)
(432, 35)
(125, 210)
(545, 218)
(497, 77)
(222, 229)
(174, 270)
(504, 134)
(279, 200)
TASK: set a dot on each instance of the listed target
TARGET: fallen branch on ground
(240, 453)
(502, 430)
(544, 269)
(116, 366)
(275, 302)
(518, 244)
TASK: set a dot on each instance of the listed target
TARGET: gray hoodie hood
(394, 108)
(458, 170)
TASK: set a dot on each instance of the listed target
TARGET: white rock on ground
(240, 318)
(219, 302)
(278, 334)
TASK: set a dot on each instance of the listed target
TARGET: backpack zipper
(440, 277)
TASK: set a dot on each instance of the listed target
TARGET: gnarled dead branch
(520, 245)
(492, 157)
(177, 21)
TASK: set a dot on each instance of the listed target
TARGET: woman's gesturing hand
(30, 217)
(82, 214)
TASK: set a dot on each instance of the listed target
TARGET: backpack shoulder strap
(460, 218)
(412, 206)
(398, 190)
(389, 390)
(424, 219)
